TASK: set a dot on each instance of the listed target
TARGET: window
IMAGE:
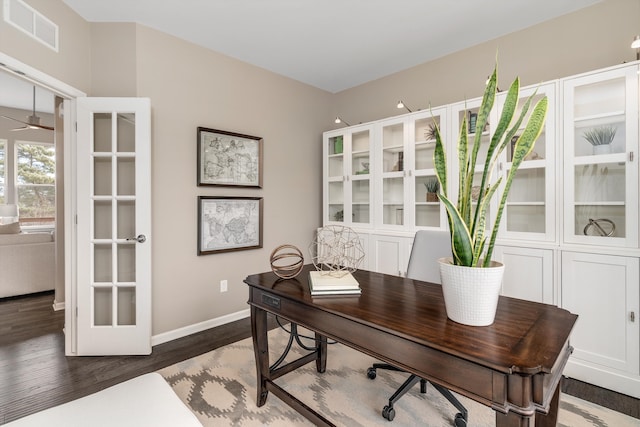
(31, 22)
(35, 168)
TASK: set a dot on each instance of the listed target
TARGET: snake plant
(468, 222)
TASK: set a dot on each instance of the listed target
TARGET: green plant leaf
(461, 245)
(524, 146)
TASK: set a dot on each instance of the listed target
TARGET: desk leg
(512, 419)
(551, 418)
(321, 350)
(261, 350)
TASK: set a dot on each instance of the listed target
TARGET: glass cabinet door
(601, 172)
(360, 178)
(392, 163)
(427, 209)
(335, 178)
(348, 191)
(530, 208)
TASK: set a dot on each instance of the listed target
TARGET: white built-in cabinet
(569, 235)
(599, 252)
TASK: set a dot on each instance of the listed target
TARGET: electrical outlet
(223, 285)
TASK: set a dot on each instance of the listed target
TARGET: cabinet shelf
(621, 203)
(422, 142)
(525, 204)
(600, 118)
(394, 148)
(596, 159)
(359, 154)
(530, 164)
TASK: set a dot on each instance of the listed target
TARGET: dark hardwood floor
(35, 374)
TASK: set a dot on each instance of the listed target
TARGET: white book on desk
(325, 284)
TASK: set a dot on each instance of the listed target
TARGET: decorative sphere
(286, 261)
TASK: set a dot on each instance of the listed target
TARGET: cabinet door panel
(528, 273)
(603, 291)
(389, 254)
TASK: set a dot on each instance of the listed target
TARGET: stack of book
(324, 284)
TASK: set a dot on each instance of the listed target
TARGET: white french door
(113, 286)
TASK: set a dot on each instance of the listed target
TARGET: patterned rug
(219, 387)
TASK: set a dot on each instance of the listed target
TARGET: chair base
(389, 413)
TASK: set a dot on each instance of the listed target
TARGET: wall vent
(31, 22)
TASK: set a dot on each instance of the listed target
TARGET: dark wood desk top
(526, 337)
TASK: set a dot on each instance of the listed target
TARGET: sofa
(27, 263)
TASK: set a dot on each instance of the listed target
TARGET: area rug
(220, 388)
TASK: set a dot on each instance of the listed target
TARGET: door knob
(140, 239)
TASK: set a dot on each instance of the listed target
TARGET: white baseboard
(58, 305)
(198, 327)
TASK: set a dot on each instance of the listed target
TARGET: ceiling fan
(33, 121)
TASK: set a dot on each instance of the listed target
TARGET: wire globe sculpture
(336, 251)
(286, 261)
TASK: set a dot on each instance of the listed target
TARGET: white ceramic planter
(470, 293)
(602, 149)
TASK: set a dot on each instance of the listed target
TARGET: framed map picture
(229, 159)
(229, 224)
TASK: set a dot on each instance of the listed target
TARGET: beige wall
(592, 38)
(190, 87)
(72, 63)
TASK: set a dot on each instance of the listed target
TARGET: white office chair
(428, 247)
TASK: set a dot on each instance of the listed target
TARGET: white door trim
(69, 94)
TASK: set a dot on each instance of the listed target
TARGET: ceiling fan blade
(28, 125)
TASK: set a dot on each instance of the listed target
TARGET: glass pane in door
(102, 132)
(425, 142)
(126, 305)
(393, 148)
(525, 208)
(600, 199)
(393, 201)
(103, 306)
(427, 205)
(336, 202)
(360, 201)
(126, 133)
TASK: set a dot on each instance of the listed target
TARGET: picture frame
(229, 224)
(229, 159)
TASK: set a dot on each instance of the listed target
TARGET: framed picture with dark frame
(229, 224)
(229, 159)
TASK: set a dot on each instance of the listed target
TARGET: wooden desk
(513, 366)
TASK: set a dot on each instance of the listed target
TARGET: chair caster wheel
(388, 413)
(459, 421)
(371, 373)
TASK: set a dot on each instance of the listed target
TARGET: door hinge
(632, 316)
(76, 126)
(76, 311)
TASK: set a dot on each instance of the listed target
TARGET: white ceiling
(331, 44)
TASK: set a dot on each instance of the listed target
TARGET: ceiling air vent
(30, 21)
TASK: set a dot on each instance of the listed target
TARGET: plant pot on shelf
(471, 293)
(432, 197)
(602, 149)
